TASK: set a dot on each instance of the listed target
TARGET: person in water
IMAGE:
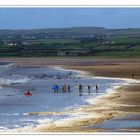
(69, 88)
(55, 88)
(64, 88)
(80, 90)
(28, 93)
(89, 89)
(97, 88)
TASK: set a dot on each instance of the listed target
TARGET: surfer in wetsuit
(55, 88)
(80, 90)
(97, 88)
(64, 88)
(69, 89)
(89, 89)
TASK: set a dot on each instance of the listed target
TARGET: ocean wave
(9, 81)
(6, 65)
(10, 114)
(79, 73)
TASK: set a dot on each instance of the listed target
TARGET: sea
(15, 107)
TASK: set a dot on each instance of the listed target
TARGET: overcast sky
(31, 18)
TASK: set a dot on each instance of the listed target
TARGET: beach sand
(121, 102)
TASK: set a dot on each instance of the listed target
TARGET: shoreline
(99, 113)
(121, 102)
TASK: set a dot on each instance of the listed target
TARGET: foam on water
(6, 65)
(15, 114)
(4, 81)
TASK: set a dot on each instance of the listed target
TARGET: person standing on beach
(133, 76)
(80, 90)
(97, 88)
(89, 89)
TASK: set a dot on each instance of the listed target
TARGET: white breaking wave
(10, 114)
(5, 66)
(8, 81)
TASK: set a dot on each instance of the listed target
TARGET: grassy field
(86, 41)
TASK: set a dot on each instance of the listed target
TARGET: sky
(34, 18)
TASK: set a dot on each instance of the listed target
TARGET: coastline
(96, 113)
(121, 102)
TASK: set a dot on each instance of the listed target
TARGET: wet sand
(122, 68)
(122, 102)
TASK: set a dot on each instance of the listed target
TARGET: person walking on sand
(97, 88)
(80, 90)
(89, 89)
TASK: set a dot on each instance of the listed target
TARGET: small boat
(28, 93)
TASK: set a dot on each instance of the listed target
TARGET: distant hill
(74, 41)
(73, 31)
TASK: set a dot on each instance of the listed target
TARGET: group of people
(67, 88)
(64, 88)
(89, 89)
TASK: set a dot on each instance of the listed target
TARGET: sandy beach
(121, 102)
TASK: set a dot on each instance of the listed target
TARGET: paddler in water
(28, 93)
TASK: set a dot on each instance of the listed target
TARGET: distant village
(30, 43)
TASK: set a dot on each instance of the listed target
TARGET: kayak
(28, 94)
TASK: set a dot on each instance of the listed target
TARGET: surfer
(97, 88)
(80, 90)
(55, 88)
(89, 89)
(69, 88)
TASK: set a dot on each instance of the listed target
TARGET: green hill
(75, 41)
